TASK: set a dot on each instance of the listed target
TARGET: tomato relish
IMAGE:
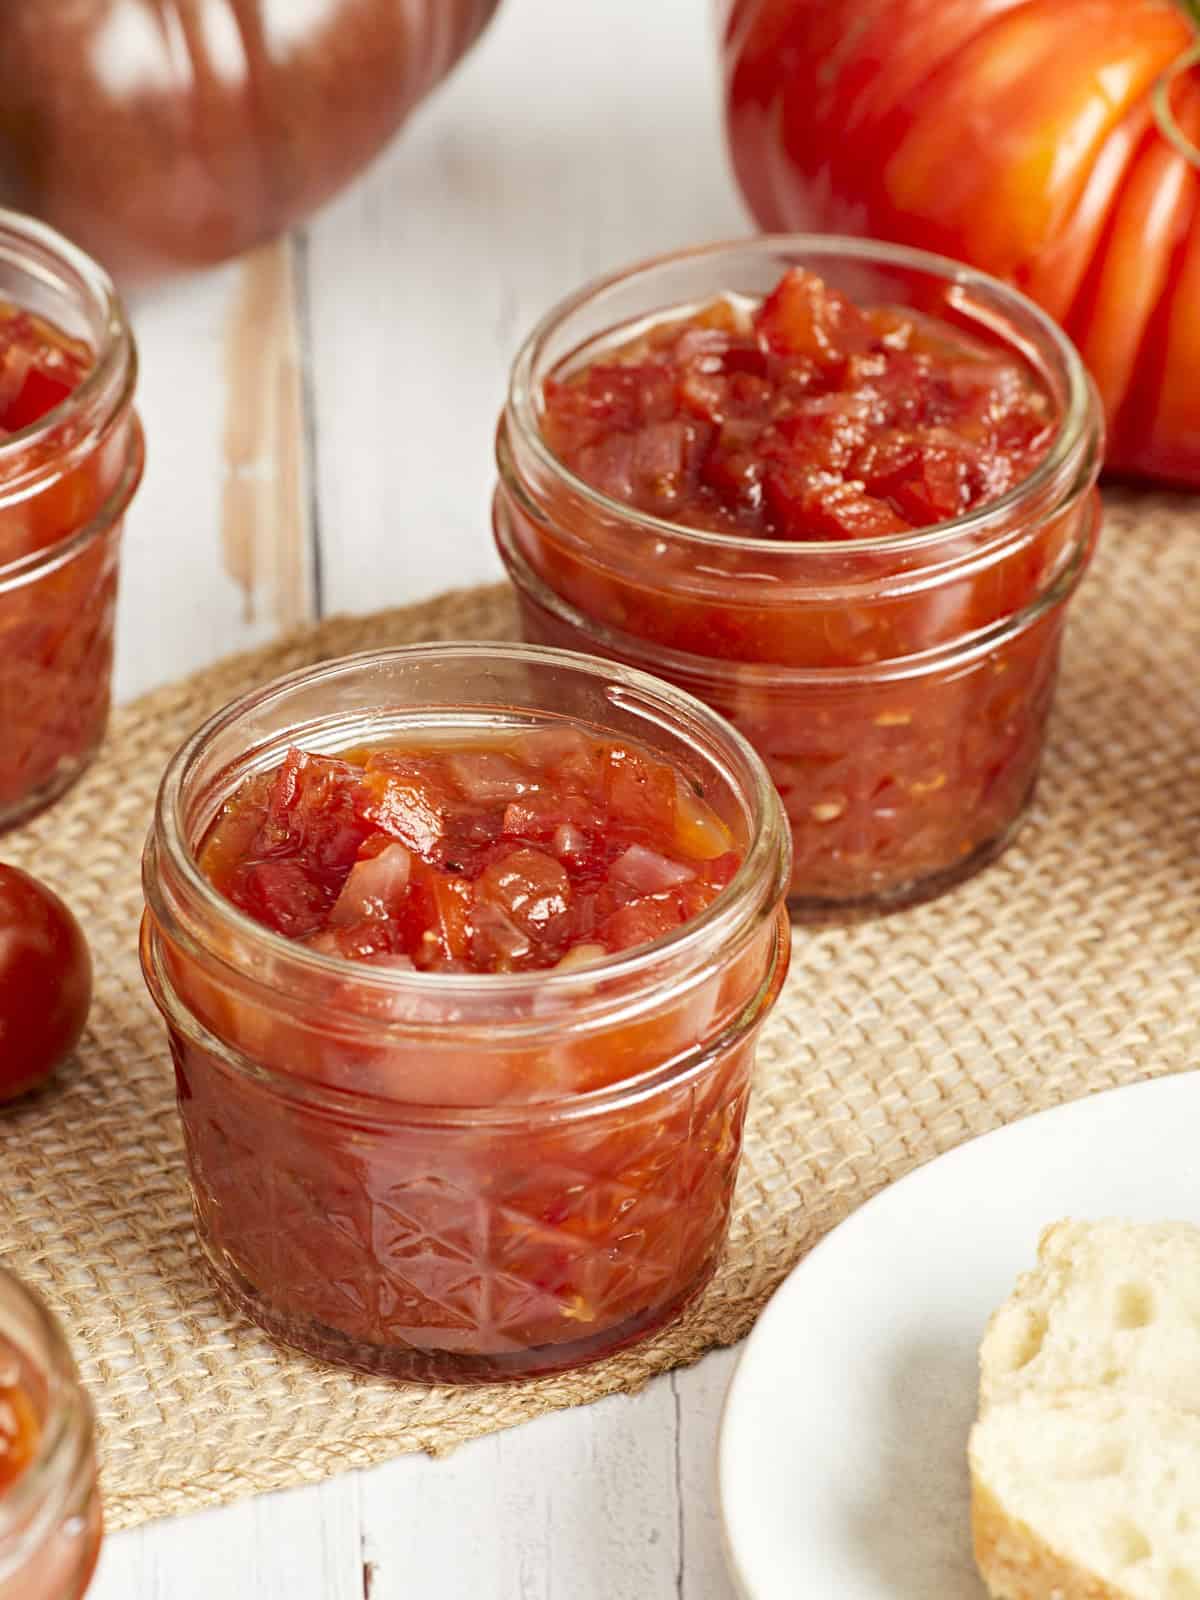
(850, 526)
(804, 417)
(20, 1430)
(40, 367)
(547, 851)
(500, 1136)
(55, 634)
(70, 459)
(50, 1518)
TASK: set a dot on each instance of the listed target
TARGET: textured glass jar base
(460, 1254)
(64, 777)
(414, 1364)
(817, 910)
(896, 791)
(64, 1563)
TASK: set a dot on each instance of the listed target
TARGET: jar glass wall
(462, 1177)
(50, 1522)
(66, 479)
(892, 793)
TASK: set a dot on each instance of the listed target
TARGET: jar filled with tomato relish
(842, 492)
(50, 1520)
(463, 952)
(70, 459)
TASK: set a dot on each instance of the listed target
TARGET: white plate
(842, 1456)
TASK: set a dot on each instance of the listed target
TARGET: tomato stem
(1164, 112)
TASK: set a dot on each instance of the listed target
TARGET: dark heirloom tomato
(45, 982)
(163, 134)
(1022, 136)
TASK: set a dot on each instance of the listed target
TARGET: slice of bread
(1085, 1460)
(1093, 1498)
(1110, 1305)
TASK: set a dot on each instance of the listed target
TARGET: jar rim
(1079, 431)
(108, 385)
(958, 652)
(48, 558)
(67, 1427)
(572, 1106)
(761, 876)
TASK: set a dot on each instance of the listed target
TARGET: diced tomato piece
(37, 396)
(532, 889)
(439, 922)
(804, 318)
(811, 504)
(285, 896)
(641, 791)
(39, 368)
(403, 803)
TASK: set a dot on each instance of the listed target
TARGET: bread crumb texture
(1085, 1458)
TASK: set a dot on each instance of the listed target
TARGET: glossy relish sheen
(549, 849)
(804, 418)
(40, 367)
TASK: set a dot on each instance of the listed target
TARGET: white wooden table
(320, 424)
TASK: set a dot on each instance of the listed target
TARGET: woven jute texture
(1070, 966)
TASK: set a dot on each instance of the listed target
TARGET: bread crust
(1016, 1564)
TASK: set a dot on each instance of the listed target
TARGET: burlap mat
(1071, 966)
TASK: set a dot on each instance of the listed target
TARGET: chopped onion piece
(581, 956)
(488, 776)
(373, 887)
(648, 872)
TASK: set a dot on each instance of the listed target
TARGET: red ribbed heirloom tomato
(1047, 141)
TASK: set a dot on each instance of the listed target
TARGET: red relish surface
(39, 368)
(554, 847)
(804, 418)
(20, 1431)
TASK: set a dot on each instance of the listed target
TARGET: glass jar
(897, 687)
(50, 1521)
(461, 1178)
(65, 483)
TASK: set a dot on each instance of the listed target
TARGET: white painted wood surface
(320, 423)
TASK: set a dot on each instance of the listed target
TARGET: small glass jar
(65, 483)
(462, 1178)
(50, 1523)
(897, 687)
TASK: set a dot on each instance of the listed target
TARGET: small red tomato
(45, 982)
